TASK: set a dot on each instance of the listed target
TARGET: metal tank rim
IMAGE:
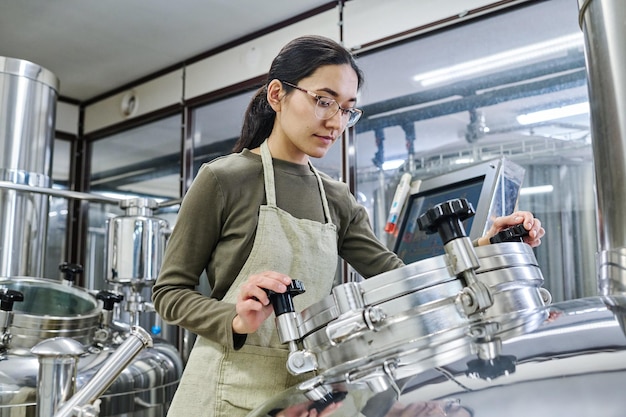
(30, 70)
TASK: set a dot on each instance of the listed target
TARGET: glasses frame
(352, 113)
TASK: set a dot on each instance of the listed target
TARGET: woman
(261, 216)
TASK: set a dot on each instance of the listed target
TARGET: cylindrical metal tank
(28, 96)
(50, 309)
(603, 25)
(135, 244)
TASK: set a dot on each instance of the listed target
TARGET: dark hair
(297, 60)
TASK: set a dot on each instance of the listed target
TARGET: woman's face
(298, 133)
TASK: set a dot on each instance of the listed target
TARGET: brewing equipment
(56, 381)
(37, 311)
(369, 338)
(602, 22)
(28, 94)
(570, 364)
(48, 309)
(135, 244)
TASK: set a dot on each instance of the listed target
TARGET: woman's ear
(275, 93)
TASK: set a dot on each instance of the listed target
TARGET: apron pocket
(254, 374)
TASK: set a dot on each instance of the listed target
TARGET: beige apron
(220, 382)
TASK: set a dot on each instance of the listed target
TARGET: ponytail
(258, 122)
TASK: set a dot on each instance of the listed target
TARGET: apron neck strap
(270, 188)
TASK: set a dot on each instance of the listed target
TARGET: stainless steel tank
(602, 22)
(135, 244)
(28, 94)
(368, 340)
(51, 309)
(571, 364)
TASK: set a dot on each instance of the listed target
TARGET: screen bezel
(488, 172)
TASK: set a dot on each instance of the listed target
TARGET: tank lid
(27, 69)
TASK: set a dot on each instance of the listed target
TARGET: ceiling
(94, 47)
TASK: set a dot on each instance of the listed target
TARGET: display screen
(413, 244)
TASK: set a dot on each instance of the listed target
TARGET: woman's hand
(533, 225)
(253, 305)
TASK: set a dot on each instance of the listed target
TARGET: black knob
(446, 219)
(328, 399)
(283, 302)
(109, 299)
(70, 270)
(512, 234)
(8, 297)
(490, 369)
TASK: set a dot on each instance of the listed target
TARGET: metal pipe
(137, 340)
(76, 195)
(59, 193)
(56, 380)
(602, 22)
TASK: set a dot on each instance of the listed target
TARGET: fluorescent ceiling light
(393, 164)
(541, 189)
(514, 56)
(553, 114)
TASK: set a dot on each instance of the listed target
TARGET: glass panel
(465, 95)
(143, 161)
(217, 127)
(57, 211)
(61, 162)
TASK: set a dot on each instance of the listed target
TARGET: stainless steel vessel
(51, 309)
(414, 317)
(602, 22)
(28, 94)
(369, 338)
(135, 244)
(572, 364)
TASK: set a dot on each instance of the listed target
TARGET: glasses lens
(326, 108)
(354, 117)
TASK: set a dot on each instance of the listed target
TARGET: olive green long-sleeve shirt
(215, 231)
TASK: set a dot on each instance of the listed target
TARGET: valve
(512, 234)
(326, 400)
(283, 302)
(299, 361)
(70, 271)
(8, 298)
(109, 299)
(492, 368)
(446, 218)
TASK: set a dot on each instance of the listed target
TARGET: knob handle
(512, 234)
(283, 302)
(446, 219)
(109, 299)
(70, 270)
(8, 297)
(490, 369)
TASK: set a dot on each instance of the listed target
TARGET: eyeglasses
(326, 107)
